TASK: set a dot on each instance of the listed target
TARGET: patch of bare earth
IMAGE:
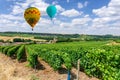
(6, 38)
(113, 43)
(11, 69)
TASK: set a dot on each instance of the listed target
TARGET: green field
(96, 57)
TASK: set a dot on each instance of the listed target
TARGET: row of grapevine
(32, 57)
(21, 54)
(54, 58)
(13, 51)
(102, 64)
(102, 61)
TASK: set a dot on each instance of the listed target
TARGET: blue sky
(73, 16)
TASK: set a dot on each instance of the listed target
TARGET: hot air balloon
(32, 16)
(51, 11)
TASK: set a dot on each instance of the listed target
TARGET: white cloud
(80, 5)
(103, 20)
(17, 10)
(10, 22)
(71, 13)
(41, 5)
(15, 19)
(68, 1)
(54, 2)
(81, 21)
(106, 22)
(59, 8)
(86, 3)
(65, 25)
(111, 10)
(77, 23)
(108, 17)
(10, 17)
(106, 11)
(45, 21)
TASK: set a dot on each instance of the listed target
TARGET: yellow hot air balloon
(32, 16)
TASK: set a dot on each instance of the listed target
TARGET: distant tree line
(61, 37)
(21, 40)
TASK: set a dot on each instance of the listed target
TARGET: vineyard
(96, 58)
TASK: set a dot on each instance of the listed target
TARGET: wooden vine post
(78, 67)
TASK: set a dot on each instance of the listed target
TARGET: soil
(11, 69)
(6, 38)
(113, 43)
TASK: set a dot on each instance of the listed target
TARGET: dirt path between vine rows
(11, 69)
